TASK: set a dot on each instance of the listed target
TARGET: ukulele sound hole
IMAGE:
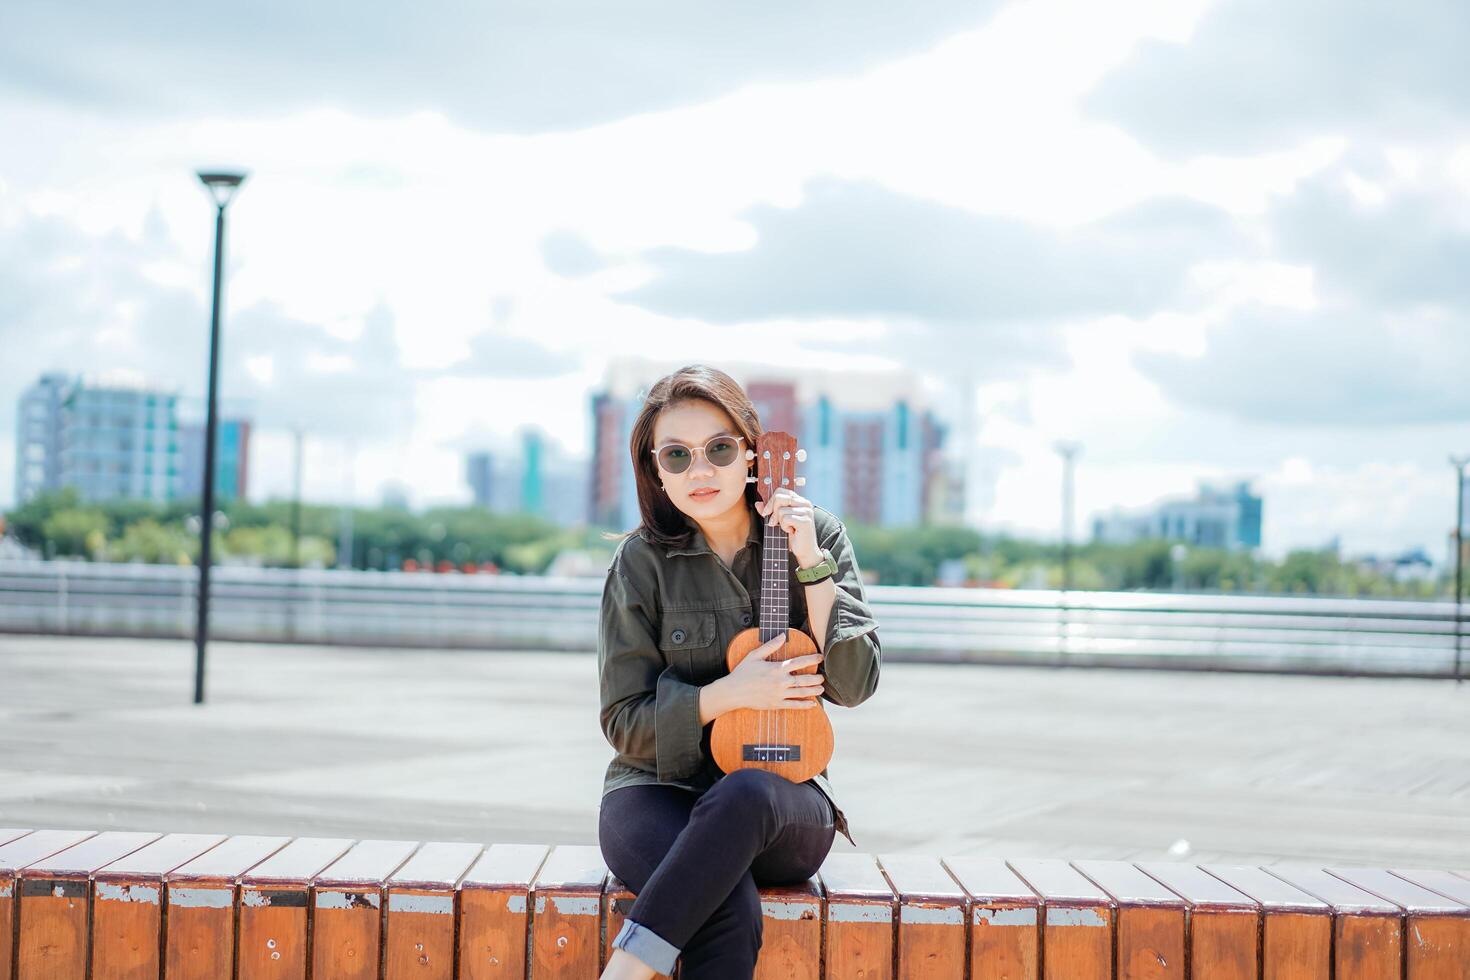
(772, 753)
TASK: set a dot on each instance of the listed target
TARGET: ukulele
(793, 742)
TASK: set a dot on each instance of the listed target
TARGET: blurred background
(1127, 333)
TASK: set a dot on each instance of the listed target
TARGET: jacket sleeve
(853, 655)
(649, 715)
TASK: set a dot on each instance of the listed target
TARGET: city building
(38, 427)
(231, 453)
(875, 455)
(109, 438)
(1226, 517)
(539, 480)
(113, 437)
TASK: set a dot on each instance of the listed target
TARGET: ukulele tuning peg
(750, 454)
(750, 479)
(801, 481)
(801, 455)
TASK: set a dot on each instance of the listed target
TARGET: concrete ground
(944, 759)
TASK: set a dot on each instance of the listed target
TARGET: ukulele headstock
(776, 457)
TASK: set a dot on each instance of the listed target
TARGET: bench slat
(199, 907)
(791, 932)
(932, 916)
(54, 909)
(1150, 919)
(495, 897)
(274, 899)
(1367, 932)
(567, 913)
(347, 908)
(1436, 930)
(14, 855)
(127, 909)
(1005, 919)
(1223, 922)
(860, 916)
(1077, 917)
(1296, 931)
(421, 911)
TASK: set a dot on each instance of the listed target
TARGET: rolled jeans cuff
(648, 946)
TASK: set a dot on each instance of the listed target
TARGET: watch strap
(823, 569)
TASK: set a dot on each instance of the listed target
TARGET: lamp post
(1459, 463)
(222, 187)
(1069, 451)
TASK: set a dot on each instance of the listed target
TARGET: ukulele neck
(775, 578)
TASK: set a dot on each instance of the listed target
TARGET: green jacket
(668, 615)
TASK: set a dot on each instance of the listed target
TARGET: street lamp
(1459, 463)
(222, 186)
(1069, 451)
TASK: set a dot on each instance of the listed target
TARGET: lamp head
(221, 184)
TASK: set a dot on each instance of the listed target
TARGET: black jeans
(696, 862)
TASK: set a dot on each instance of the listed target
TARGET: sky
(1208, 239)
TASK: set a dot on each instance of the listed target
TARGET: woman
(692, 842)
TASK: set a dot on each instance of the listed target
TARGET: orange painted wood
(791, 932)
(1437, 930)
(7, 905)
(1005, 919)
(1223, 923)
(199, 907)
(617, 901)
(1150, 921)
(275, 902)
(1296, 929)
(1077, 920)
(567, 912)
(347, 909)
(861, 917)
(127, 909)
(15, 855)
(422, 909)
(54, 907)
(1367, 932)
(932, 916)
(494, 912)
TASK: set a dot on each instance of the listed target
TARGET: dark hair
(663, 523)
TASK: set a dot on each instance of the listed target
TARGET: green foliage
(155, 543)
(61, 524)
(75, 532)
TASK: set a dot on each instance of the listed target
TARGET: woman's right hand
(761, 683)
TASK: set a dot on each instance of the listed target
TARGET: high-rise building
(119, 439)
(538, 480)
(479, 473)
(1226, 517)
(38, 426)
(231, 455)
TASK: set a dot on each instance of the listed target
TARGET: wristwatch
(819, 572)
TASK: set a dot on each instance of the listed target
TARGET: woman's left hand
(793, 513)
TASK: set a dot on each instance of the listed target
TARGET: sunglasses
(676, 457)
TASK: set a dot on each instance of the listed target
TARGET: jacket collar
(699, 546)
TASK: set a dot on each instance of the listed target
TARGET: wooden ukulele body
(791, 742)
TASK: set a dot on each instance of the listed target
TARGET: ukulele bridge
(771, 753)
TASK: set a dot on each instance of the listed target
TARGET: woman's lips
(704, 494)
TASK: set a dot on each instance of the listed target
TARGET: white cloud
(437, 230)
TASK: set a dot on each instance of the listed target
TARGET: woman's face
(694, 424)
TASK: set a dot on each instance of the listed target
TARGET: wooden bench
(77, 904)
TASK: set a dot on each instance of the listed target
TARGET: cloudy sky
(1209, 240)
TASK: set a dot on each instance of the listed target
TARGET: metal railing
(1218, 631)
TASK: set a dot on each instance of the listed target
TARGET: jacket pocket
(689, 641)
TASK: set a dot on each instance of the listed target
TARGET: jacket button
(677, 636)
(745, 619)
